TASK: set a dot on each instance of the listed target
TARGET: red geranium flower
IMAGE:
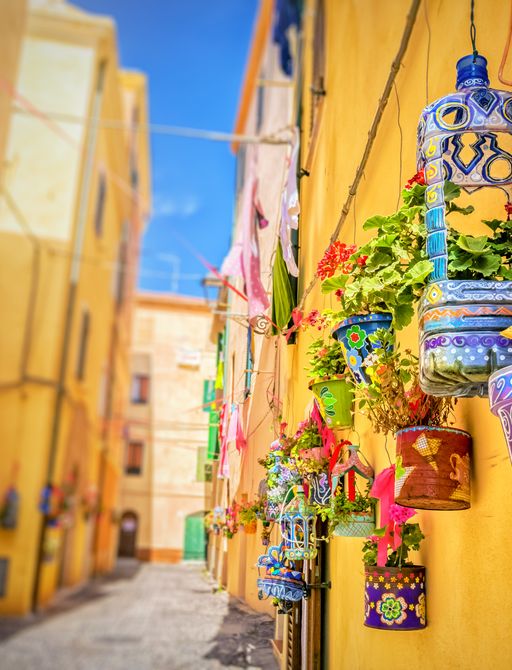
(419, 178)
(334, 259)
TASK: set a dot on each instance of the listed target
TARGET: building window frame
(83, 344)
(134, 457)
(140, 389)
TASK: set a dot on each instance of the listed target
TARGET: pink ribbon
(297, 320)
(384, 489)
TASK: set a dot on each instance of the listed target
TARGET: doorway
(128, 535)
(195, 538)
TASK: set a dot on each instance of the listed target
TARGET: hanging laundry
(290, 208)
(243, 259)
(287, 15)
(223, 433)
(235, 432)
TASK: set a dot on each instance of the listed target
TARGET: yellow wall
(466, 553)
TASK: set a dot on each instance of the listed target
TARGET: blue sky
(194, 53)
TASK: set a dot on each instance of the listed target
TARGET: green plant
(389, 273)
(411, 538)
(342, 508)
(394, 400)
(325, 359)
(249, 512)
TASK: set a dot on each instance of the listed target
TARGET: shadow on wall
(244, 639)
(67, 602)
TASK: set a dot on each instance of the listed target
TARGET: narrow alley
(142, 617)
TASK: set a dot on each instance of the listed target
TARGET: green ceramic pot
(335, 398)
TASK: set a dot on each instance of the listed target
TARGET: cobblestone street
(143, 617)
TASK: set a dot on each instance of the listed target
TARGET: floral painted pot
(395, 598)
(500, 400)
(273, 510)
(353, 334)
(335, 398)
(357, 525)
(433, 468)
(461, 345)
(319, 489)
(283, 588)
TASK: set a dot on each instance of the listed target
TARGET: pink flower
(374, 538)
(400, 514)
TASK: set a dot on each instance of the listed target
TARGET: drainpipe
(81, 222)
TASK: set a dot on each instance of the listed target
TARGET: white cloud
(178, 206)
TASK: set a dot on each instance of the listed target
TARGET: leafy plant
(342, 508)
(394, 400)
(389, 273)
(249, 512)
(411, 538)
(325, 359)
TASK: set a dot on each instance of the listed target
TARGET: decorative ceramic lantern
(500, 399)
(357, 524)
(461, 321)
(281, 581)
(298, 521)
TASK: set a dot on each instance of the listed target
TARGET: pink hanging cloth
(223, 436)
(243, 258)
(235, 432)
(290, 208)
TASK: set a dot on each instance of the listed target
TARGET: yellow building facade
(165, 484)
(74, 200)
(349, 47)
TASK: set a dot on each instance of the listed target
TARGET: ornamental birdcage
(298, 528)
(462, 139)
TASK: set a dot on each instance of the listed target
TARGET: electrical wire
(429, 41)
(472, 30)
(400, 157)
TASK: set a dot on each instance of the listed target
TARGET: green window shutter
(213, 436)
(201, 462)
(283, 298)
(208, 394)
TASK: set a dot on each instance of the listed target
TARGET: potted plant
(311, 451)
(281, 474)
(394, 587)
(282, 582)
(433, 460)
(330, 379)
(248, 516)
(353, 510)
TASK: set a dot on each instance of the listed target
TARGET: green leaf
(334, 283)
(375, 222)
(451, 191)
(403, 315)
(487, 265)
(418, 272)
(473, 245)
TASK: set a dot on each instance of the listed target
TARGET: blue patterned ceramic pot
(290, 590)
(500, 399)
(353, 335)
(319, 489)
(461, 345)
(395, 598)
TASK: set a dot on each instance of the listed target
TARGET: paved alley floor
(143, 617)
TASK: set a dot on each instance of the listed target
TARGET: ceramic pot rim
(329, 378)
(502, 372)
(447, 429)
(364, 318)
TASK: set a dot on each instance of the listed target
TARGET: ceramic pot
(395, 598)
(435, 468)
(460, 325)
(283, 588)
(273, 510)
(335, 398)
(353, 334)
(250, 528)
(358, 525)
(500, 400)
(319, 489)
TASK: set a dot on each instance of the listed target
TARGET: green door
(195, 538)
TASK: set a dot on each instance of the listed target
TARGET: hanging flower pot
(319, 489)
(461, 319)
(500, 399)
(355, 525)
(335, 398)
(250, 527)
(281, 581)
(354, 336)
(395, 597)
(433, 468)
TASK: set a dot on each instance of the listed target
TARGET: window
(82, 347)
(140, 389)
(134, 454)
(100, 203)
